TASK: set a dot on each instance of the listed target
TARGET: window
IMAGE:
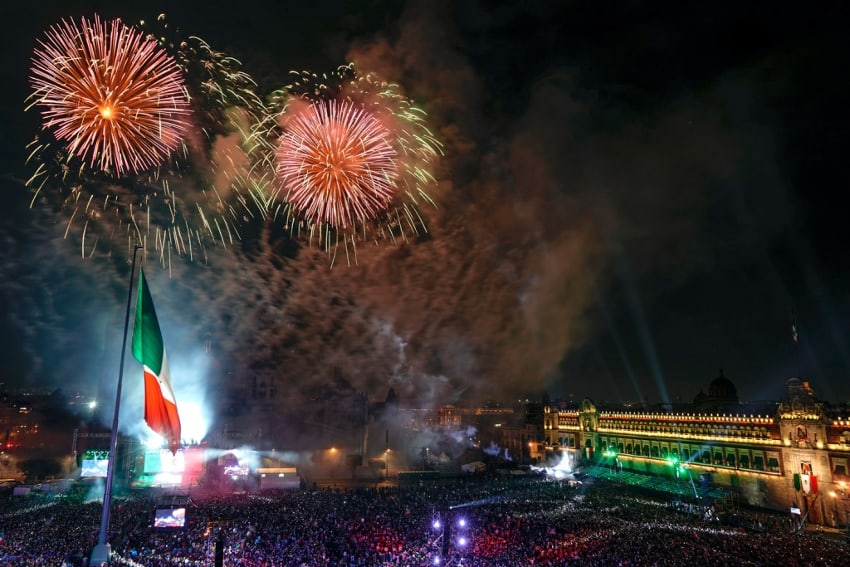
(839, 468)
(773, 464)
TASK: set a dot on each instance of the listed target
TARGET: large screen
(169, 518)
(233, 466)
(161, 468)
(161, 460)
(94, 464)
(94, 468)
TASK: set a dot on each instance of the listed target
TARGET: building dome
(722, 389)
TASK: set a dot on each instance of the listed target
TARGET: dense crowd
(509, 522)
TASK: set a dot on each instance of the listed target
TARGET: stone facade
(794, 456)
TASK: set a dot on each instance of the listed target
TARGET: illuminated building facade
(794, 457)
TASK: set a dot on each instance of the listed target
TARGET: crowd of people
(508, 522)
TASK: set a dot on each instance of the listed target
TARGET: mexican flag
(148, 348)
(806, 483)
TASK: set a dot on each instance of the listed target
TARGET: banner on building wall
(806, 482)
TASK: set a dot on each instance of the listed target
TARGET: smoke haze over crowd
(626, 203)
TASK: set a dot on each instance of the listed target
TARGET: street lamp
(677, 466)
(452, 539)
(679, 469)
(387, 464)
(611, 453)
(835, 518)
(332, 453)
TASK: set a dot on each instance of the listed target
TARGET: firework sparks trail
(148, 142)
(336, 163)
(115, 97)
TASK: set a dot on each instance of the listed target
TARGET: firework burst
(336, 163)
(114, 97)
(150, 146)
(353, 156)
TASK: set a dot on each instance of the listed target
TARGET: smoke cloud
(543, 189)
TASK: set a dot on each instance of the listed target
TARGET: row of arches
(711, 455)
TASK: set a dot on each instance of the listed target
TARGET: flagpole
(102, 551)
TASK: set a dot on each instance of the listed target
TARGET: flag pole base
(100, 555)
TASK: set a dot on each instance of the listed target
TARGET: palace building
(787, 455)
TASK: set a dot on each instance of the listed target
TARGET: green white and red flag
(148, 348)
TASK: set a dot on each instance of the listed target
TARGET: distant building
(791, 454)
(722, 395)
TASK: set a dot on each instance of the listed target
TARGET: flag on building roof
(148, 348)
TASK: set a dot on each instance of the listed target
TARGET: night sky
(632, 198)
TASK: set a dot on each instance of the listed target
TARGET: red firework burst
(336, 163)
(116, 98)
